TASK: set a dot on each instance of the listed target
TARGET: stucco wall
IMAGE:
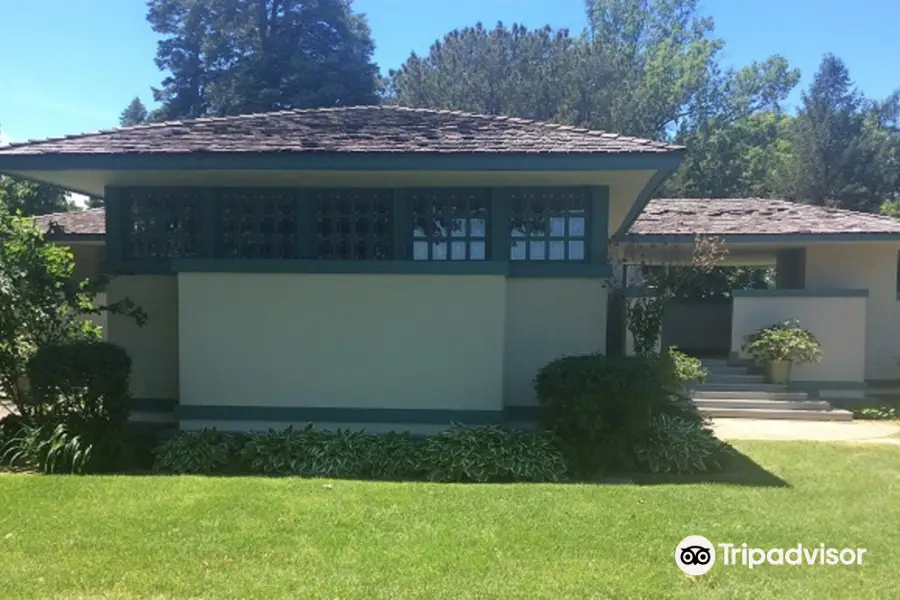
(154, 347)
(871, 266)
(838, 323)
(342, 341)
(547, 319)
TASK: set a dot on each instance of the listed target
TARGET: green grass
(194, 537)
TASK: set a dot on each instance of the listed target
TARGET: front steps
(730, 392)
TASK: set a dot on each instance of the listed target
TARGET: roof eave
(760, 238)
(362, 161)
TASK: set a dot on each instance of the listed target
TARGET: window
(353, 224)
(548, 224)
(449, 224)
(162, 223)
(256, 224)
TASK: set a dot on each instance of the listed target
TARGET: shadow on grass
(739, 469)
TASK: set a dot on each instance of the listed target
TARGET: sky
(69, 66)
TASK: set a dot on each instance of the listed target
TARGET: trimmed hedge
(600, 407)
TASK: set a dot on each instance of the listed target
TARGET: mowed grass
(195, 537)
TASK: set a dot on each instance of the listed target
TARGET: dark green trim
(137, 267)
(402, 223)
(113, 212)
(558, 268)
(644, 196)
(800, 293)
(499, 223)
(597, 250)
(761, 238)
(21, 177)
(319, 161)
(402, 267)
(153, 405)
(321, 414)
(521, 413)
(883, 383)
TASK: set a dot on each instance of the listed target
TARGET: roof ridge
(380, 107)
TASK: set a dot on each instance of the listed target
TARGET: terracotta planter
(778, 371)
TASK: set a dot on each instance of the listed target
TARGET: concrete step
(765, 413)
(727, 371)
(764, 404)
(734, 378)
(742, 387)
(747, 395)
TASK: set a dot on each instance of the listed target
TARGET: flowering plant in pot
(778, 347)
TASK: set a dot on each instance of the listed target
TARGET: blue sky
(67, 66)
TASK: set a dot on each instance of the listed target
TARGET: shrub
(676, 445)
(206, 452)
(783, 341)
(492, 454)
(600, 407)
(687, 368)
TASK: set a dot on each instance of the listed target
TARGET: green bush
(783, 341)
(85, 378)
(492, 454)
(206, 452)
(676, 445)
(687, 368)
(600, 407)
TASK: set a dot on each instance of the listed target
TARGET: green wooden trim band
(323, 414)
(597, 251)
(558, 268)
(388, 267)
(153, 405)
(113, 213)
(837, 293)
(761, 238)
(521, 413)
(350, 161)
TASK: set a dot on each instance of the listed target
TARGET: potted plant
(778, 347)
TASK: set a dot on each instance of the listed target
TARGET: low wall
(836, 317)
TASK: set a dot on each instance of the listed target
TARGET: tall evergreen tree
(238, 56)
(134, 114)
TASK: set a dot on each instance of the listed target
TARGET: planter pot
(778, 371)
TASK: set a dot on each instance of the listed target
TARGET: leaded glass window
(548, 224)
(162, 223)
(257, 224)
(449, 224)
(353, 224)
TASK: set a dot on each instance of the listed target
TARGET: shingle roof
(86, 222)
(346, 130)
(753, 216)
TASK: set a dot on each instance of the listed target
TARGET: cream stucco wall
(342, 341)
(839, 323)
(154, 347)
(547, 319)
(871, 266)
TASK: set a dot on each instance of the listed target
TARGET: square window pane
(557, 250)
(477, 250)
(557, 226)
(517, 232)
(537, 250)
(458, 250)
(576, 250)
(458, 228)
(420, 250)
(419, 231)
(439, 251)
(576, 226)
(478, 227)
(517, 251)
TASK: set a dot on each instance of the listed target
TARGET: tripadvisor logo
(696, 555)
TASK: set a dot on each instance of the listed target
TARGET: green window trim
(283, 230)
(549, 224)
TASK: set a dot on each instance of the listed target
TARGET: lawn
(195, 537)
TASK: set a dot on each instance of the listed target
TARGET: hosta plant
(784, 341)
(492, 454)
(205, 452)
(49, 448)
(676, 445)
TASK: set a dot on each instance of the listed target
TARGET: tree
(32, 198)
(40, 303)
(836, 147)
(228, 57)
(134, 114)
